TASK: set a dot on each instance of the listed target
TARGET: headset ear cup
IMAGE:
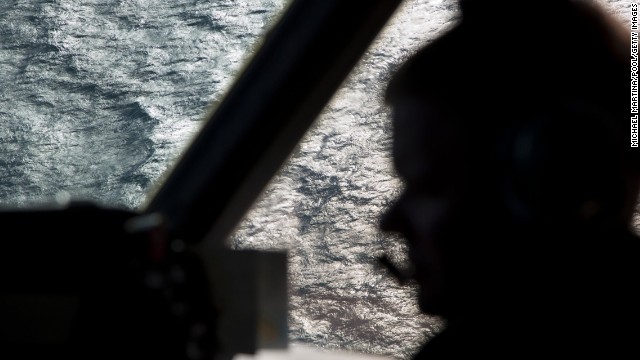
(564, 165)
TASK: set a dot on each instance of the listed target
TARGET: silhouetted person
(512, 136)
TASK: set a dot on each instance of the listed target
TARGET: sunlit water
(98, 99)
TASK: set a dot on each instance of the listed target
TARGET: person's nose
(413, 215)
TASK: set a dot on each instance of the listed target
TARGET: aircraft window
(323, 207)
(99, 99)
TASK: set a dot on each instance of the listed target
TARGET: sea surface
(100, 97)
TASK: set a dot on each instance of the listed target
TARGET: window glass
(99, 98)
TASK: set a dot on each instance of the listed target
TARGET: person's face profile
(427, 155)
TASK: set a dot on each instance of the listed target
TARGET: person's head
(510, 126)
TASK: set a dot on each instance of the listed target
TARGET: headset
(564, 164)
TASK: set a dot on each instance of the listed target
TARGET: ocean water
(99, 98)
